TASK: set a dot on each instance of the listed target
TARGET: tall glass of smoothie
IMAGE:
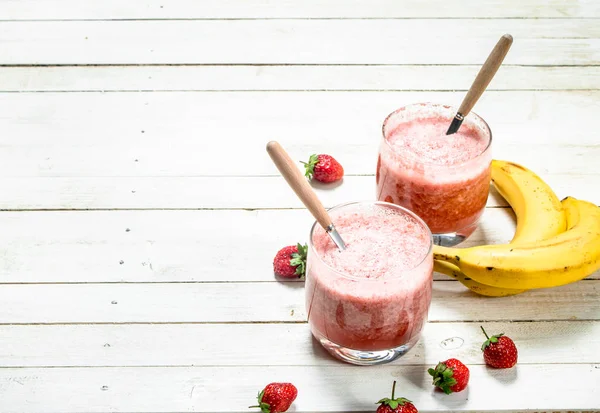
(444, 179)
(368, 304)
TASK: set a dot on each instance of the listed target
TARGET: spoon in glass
(481, 82)
(303, 190)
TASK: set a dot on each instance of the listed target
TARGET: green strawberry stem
(298, 260)
(264, 407)
(309, 166)
(443, 377)
(393, 403)
(490, 340)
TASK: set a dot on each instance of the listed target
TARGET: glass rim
(438, 105)
(383, 203)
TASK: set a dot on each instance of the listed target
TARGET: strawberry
(450, 376)
(393, 405)
(323, 168)
(499, 351)
(276, 397)
(290, 262)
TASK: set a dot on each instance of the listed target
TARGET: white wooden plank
(219, 344)
(211, 192)
(167, 246)
(265, 302)
(190, 9)
(208, 158)
(136, 120)
(298, 78)
(170, 133)
(333, 389)
(539, 41)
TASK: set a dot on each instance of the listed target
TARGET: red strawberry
(499, 351)
(323, 168)
(450, 376)
(276, 397)
(399, 405)
(290, 262)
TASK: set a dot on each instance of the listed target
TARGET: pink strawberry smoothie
(443, 178)
(375, 295)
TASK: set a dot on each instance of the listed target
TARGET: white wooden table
(140, 212)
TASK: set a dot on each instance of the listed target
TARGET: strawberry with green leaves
(276, 397)
(290, 261)
(323, 168)
(396, 405)
(450, 376)
(499, 351)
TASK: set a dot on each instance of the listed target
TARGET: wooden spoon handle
(298, 182)
(486, 73)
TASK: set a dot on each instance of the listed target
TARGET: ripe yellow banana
(559, 260)
(481, 289)
(539, 216)
(539, 212)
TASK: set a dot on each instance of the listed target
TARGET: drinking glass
(360, 318)
(449, 197)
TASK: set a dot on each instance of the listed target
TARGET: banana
(481, 289)
(539, 212)
(559, 260)
(539, 216)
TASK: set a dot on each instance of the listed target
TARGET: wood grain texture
(290, 78)
(348, 388)
(153, 311)
(215, 9)
(179, 134)
(137, 119)
(167, 246)
(219, 344)
(540, 41)
(212, 192)
(237, 303)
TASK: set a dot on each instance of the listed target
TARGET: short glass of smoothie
(444, 179)
(368, 304)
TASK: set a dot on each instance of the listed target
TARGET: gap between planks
(163, 323)
(253, 64)
(226, 19)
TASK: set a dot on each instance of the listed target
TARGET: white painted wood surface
(324, 388)
(225, 302)
(259, 9)
(541, 41)
(182, 246)
(144, 345)
(290, 78)
(135, 262)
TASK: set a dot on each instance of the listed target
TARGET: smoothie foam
(425, 140)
